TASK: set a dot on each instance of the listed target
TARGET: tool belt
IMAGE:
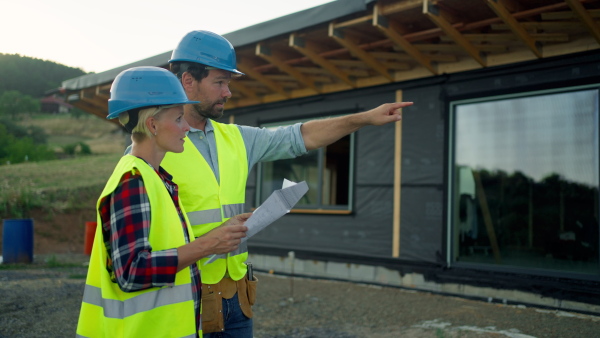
(212, 304)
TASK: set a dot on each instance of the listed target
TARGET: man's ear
(187, 81)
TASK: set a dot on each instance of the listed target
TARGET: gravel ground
(40, 301)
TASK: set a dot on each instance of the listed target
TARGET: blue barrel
(17, 241)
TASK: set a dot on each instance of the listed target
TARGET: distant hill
(32, 76)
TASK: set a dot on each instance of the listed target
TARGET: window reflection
(526, 182)
(326, 171)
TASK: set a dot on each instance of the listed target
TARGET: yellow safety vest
(106, 311)
(208, 203)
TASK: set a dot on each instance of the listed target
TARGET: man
(212, 170)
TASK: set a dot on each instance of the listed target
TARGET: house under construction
(487, 188)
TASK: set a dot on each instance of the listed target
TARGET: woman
(143, 280)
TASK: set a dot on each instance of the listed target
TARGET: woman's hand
(220, 240)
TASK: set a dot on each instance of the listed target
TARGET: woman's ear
(151, 125)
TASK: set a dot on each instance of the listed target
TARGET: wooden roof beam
(545, 25)
(399, 6)
(434, 32)
(343, 63)
(567, 15)
(249, 70)
(93, 109)
(239, 86)
(353, 22)
(96, 101)
(552, 37)
(313, 70)
(512, 5)
(397, 65)
(308, 49)
(101, 92)
(360, 53)
(272, 57)
(105, 88)
(391, 30)
(585, 17)
(455, 48)
(515, 27)
(403, 57)
(435, 15)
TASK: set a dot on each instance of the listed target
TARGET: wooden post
(397, 183)
(487, 217)
(530, 216)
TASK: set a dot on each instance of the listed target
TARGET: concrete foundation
(382, 276)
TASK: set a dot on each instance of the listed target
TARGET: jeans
(237, 325)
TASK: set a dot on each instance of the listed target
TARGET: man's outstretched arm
(320, 133)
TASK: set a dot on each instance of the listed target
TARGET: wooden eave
(399, 40)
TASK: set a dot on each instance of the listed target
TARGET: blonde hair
(140, 131)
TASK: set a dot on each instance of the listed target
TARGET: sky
(101, 35)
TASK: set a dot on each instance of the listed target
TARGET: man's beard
(209, 110)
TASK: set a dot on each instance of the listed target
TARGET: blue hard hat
(207, 48)
(144, 87)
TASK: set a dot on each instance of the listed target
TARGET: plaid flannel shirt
(125, 216)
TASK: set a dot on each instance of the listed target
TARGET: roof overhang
(351, 44)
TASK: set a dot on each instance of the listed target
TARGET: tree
(77, 113)
(33, 76)
(12, 103)
(13, 150)
(37, 134)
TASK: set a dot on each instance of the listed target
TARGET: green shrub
(17, 150)
(69, 149)
(37, 134)
(17, 203)
(85, 149)
(77, 113)
(74, 148)
(54, 186)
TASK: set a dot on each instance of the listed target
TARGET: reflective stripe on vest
(106, 310)
(204, 216)
(208, 202)
(230, 210)
(114, 308)
(214, 215)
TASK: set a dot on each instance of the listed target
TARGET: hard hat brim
(118, 112)
(231, 70)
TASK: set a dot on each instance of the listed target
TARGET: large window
(524, 181)
(327, 171)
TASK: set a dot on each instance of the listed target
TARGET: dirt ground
(42, 299)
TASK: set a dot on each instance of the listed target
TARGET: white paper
(287, 183)
(279, 203)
